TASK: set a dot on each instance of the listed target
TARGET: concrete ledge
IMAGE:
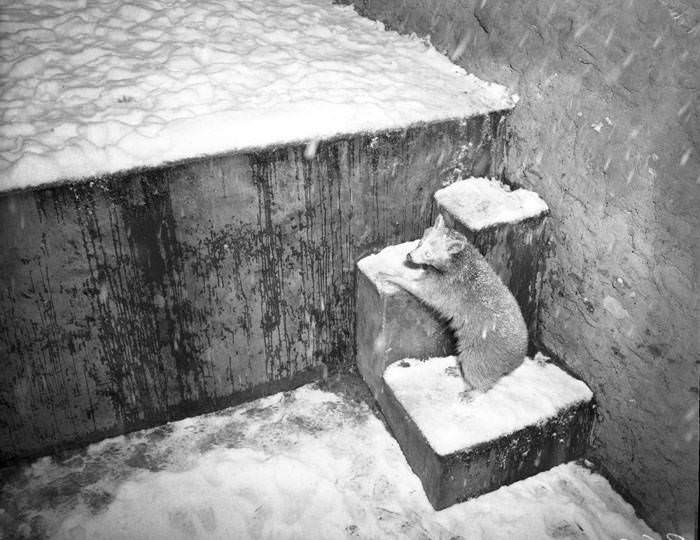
(533, 419)
(127, 298)
(391, 323)
(508, 228)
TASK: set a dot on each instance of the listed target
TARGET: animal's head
(438, 246)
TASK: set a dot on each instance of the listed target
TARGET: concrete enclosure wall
(608, 132)
(129, 301)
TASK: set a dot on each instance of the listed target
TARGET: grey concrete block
(391, 323)
(533, 419)
(137, 298)
(508, 228)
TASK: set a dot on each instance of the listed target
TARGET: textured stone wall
(608, 132)
(129, 301)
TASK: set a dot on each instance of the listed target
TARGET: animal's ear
(456, 245)
(439, 222)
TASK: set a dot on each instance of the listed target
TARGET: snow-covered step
(166, 81)
(531, 420)
(191, 183)
(391, 323)
(509, 229)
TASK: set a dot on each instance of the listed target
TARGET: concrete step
(239, 277)
(508, 227)
(533, 419)
(391, 323)
(205, 254)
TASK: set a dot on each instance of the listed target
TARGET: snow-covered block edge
(208, 78)
(431, 392)
(479, 203)
(390, 260)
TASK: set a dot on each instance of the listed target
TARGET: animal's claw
(453, 371)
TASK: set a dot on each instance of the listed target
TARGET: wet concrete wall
(608, 132)
(129, 301)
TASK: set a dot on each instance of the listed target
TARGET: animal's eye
(427, 253)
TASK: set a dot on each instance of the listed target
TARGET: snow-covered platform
(531, 420)
(89, 89)
(185, 188)
(509, 228)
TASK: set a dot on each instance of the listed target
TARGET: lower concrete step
(533, 419)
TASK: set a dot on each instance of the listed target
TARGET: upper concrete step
(477, 204)
(509, 228)
(205, 78)
(531, 420)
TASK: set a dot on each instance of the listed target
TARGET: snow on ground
(431, 392)
(101, 86)
(304, 464)
(482, 202)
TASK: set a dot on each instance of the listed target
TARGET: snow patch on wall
(95, 88)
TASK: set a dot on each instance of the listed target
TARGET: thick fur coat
(463, 288)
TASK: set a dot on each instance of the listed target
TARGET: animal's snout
(409, 257)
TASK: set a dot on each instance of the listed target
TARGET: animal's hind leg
(479, 372)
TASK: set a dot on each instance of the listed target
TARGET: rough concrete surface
(607, 132)
(466, 453)
(135, 299)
